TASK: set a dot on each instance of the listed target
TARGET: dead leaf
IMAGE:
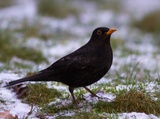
(7, 115)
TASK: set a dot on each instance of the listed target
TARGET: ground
(34, 34)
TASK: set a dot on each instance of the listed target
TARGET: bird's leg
(93, 94)
(73, 97)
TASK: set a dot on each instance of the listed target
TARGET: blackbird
(81, 68)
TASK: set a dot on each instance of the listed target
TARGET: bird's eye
(99, 32)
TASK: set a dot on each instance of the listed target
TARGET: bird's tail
(16, 82)
(37, 77)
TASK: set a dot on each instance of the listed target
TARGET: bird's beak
(111, 30)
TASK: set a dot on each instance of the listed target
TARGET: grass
(56, 8)
(131, 101)
(33, 29)
(57, 108)
(43, 32)
(6, 3)
(126, 101)
(39, 94)
(150, 23)
(132, 97)
(10, 47)
(117, 43)
(113, 5)
(84, 115)
(120, 45)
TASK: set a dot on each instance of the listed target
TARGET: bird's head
(102, 33)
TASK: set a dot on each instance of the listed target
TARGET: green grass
(83, 115)
(150, 23)
(56, 8)
(34, 29)
(120, 45)
(6, 3)
(39, 94)
(131, 101)
(113, 5)
(117, 43)
(132, 97)
(10, 47)
(57, 108)
(126, 101)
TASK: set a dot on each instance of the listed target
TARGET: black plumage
(81, 68)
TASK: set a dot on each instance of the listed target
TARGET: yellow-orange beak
(111, 30)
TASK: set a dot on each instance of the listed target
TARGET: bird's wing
(74, 61)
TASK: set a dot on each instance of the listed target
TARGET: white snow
(5, 77)
(139, 8)
(24, 9)
(135, 115)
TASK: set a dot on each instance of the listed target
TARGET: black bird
(81, 68)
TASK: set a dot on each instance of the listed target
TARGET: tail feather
(17, 81)
(44, 76)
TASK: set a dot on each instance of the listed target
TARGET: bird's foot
(93, 94)
(105, 96)
(100, 95)
(75, 102)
